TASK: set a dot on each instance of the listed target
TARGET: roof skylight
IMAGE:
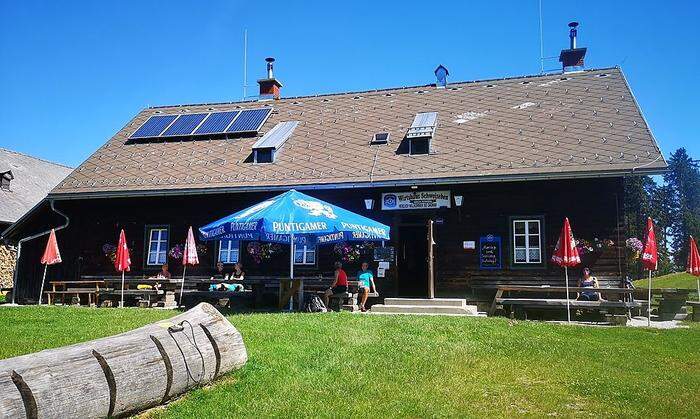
(380, 138)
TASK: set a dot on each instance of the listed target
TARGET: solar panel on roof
(153, 126)
(250, 120)
(217, 122)
(229, 122)
(184, 125)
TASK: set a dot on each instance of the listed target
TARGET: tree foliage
(674, 205)
(683, 181)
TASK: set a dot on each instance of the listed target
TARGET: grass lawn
(681, 280)
(354, 365)
(30, 328)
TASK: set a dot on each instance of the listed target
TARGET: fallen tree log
(122, 374)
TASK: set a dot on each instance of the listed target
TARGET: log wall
(592, 205)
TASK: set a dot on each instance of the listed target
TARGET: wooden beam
(431, 260)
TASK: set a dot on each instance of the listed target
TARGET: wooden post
(431, 267)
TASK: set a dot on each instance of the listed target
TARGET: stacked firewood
(7, 266)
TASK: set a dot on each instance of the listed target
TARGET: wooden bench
(348, 300)
(670, 301)
(91, 289)
(613, 306)
(696, 310)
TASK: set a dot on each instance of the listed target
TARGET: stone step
(434, 302)
(422, 309)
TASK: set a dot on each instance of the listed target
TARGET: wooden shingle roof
(563, 125)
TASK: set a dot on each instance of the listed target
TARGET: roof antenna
(245, 63)
(541, 42)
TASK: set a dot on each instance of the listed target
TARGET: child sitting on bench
(365, 279)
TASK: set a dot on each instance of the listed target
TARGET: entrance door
(412, 261)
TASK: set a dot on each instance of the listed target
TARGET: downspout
(34, 236)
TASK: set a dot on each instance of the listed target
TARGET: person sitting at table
(339, 284)
(219, 275)
(164, 273)
(237, 275)
(365, 280)
(219, 272)
(588, 281)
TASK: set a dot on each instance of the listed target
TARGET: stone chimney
(269, 86)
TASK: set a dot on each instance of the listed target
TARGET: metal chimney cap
(573, 24)
(270, 59)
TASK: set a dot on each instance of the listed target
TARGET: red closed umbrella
(694, 262)
(51, 256)
(122, 263)
(650, 259)
(189, 257)
(566, 255)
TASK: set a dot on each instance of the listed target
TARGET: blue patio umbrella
(294, 217)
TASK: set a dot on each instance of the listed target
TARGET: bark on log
(122, 374)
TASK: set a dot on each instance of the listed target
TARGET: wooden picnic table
(557, 302)
(257, 283)
(76, 288)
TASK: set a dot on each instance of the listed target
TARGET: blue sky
(73, 73)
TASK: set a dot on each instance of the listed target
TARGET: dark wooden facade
(592, 205)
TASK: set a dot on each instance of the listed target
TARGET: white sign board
(415, 200)
(469, 245)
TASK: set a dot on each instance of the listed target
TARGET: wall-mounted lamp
(414, 187)
(369, 203)
(458, 200)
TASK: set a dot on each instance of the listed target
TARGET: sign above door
(415, 200)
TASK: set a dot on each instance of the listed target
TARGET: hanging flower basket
(348, 253)
(262, 251)
(178, 250)
(634, 248)
(110, 251)
(585, 247)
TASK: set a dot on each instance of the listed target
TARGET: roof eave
(637, 171)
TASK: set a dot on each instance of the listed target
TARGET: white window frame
(307, 249)
(161, 245)
(527, 236)
(230, 248)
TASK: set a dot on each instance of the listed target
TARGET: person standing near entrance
(365, 279)
(339, 285)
